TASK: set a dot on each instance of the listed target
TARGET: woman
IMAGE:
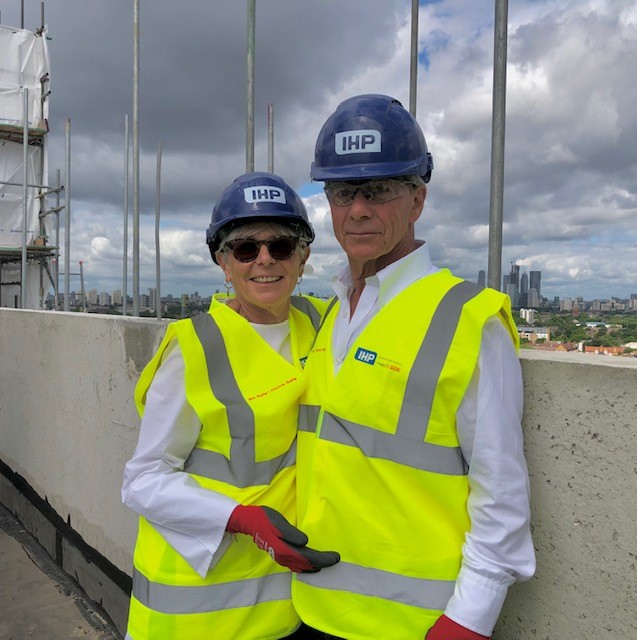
(216, 451)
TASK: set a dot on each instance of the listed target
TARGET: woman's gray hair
(277, 229)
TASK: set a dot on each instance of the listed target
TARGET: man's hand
(284, 542)
(446, 629)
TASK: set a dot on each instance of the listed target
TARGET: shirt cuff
(476, 602)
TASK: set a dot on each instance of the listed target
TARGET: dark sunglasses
(247, 249)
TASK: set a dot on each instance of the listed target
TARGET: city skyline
(93, 296)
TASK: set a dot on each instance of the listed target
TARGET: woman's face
(264, 285)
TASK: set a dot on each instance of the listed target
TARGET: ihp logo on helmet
(357, 141)
(265, 193)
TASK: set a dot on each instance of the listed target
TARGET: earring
(228, 285)
(298, 285)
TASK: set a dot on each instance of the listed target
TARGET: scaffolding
(29, 256)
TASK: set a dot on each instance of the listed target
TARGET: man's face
(369, 230)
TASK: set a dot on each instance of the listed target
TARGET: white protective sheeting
(24, 60)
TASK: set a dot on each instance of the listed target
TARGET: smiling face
(264, 285)
(374, 235)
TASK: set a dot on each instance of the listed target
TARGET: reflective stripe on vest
(306, 307)
(417, 592)
(242, 470)
(410, 449)
(214, 597)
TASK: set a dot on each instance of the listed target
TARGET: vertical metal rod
(82, 286)
(250, 89)
(57, 242)
(497, 144)
(413, 70)
(136, 158)
(67, 217)
(21, 14)
(25, 182)
(125, 235)
(42, 16)
(157, 254)
(270, 137)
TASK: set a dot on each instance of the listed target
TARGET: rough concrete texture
(38, 601)
(581, 442)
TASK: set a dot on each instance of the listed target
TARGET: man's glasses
(247, 249)
(376, 191)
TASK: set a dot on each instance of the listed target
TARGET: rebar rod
(497, 144)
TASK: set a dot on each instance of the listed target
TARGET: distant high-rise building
(524, 283)
(482, 277)
(535, 278)
(152, 297)
(92, 296)
(532, 299)
(513, 293)
(512, 285)
(515, 275)
(104, 299)
(116, 297)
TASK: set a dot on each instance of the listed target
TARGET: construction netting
(24, 64)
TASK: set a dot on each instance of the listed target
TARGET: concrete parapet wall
(68, 425)
(580, 429)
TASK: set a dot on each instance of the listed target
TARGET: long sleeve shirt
(192, 519)
(498, 548)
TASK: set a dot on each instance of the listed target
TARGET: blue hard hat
(257, 197)
(370, 136)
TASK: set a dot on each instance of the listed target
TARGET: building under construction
(29, 233)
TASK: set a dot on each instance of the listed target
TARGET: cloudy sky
(570, 198)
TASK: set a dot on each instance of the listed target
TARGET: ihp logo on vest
(358, 141)
(264, 194)
(368, 357)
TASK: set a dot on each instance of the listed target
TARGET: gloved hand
(446, 629)
(284, 542)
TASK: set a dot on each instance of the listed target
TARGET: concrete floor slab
(38, 601)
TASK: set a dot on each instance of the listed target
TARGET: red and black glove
(446, 629)
(284, 542)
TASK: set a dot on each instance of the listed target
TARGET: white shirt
(192, 519)
(498, 549)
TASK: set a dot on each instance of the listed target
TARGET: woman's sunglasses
(247, 249)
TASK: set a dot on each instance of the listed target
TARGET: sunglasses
(376, 191)
(247, 249)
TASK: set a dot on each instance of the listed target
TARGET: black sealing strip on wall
(64, 530)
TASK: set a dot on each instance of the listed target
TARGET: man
(410, 452)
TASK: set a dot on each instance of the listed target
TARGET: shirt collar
(391, 280)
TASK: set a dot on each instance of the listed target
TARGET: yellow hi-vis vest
(380, 475)
(246, 396)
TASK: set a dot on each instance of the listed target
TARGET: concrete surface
(38, 601)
